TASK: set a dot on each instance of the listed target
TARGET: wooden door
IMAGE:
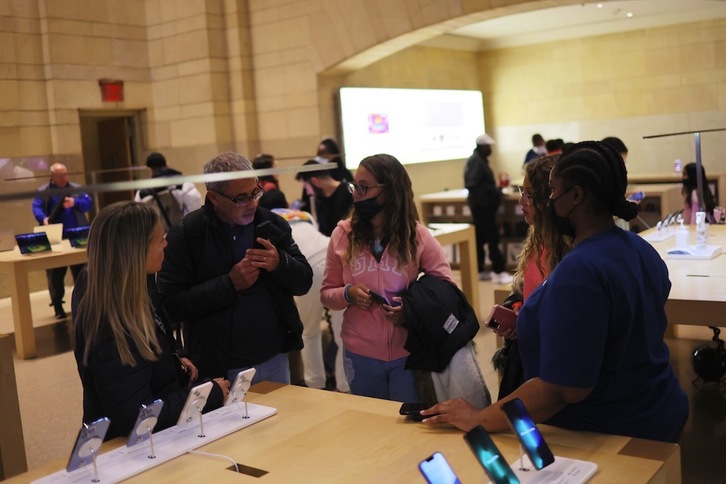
(115, 153)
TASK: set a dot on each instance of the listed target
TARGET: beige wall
(628, 85)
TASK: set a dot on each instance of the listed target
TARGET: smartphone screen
(528, 434)
(489, 456)
(437, 470)
(637, 196)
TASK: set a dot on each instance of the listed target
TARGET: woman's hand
(395, 313)
(457, 412)
(224, 385)
(359, 296)
(190, 369)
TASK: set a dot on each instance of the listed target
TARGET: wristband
(345, 293)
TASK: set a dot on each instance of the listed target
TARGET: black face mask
(562, 224)
(484, 150)
(368, 208)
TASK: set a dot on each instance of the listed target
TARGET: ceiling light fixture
(629, 14)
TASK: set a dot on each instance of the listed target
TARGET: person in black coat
(126, 355)
(230, 273)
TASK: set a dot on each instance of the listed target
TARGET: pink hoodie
(368, 332)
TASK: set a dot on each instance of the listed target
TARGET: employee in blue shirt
(70, 210)
(591, 336)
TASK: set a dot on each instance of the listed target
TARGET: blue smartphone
(489, 456)
(145, 422)
(637, 196)
(88, 441)
(528, 434)
(437, 470)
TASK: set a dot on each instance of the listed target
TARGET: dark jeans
(487, 232)
(56, 284)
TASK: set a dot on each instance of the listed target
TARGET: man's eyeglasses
(362, 190)
(526, 197)
(244, 200)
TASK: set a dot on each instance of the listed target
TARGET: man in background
(70, 210)
(185, 195)
(538, 148)
(330, 199)
(483, 199)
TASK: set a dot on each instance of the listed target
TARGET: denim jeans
(275, 369)
(380, 379)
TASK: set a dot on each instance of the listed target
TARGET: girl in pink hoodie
(372, 258)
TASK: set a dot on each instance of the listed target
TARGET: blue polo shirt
(598, 322)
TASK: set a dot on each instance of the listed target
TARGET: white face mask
(540, 150)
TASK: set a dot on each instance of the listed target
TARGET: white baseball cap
(484, 139)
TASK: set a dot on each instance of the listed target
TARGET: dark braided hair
(599, 168)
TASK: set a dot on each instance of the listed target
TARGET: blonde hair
(542, 236)
(116, 297)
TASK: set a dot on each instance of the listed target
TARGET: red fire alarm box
(111, 91)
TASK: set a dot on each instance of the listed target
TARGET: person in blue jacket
(70, 210)
(591, 336)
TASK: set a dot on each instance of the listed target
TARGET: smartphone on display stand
(195, 403)
(413, 410)
(88, 441)
(528, 434)
(239, 387)
(437, 470)
(489, 456)
(501, 317)
(145, 423)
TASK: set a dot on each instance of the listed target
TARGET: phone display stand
(144, 430)
(145, 423)
(694, 252)
(194, 405)
(238, 390)
(90, 449)
(124, 462)
(88, 441)
(561, 471)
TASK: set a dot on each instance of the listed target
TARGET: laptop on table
(77, 236)
(33, 243)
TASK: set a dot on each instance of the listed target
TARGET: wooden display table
(17, 266)
(320, 436)
(698, 292)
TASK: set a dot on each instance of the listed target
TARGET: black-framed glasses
(526, 197)
(362, 190)
(244, 200)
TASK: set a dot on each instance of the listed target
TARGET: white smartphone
(145, 422)
(88, 441)
(239, 387)
(195, 403)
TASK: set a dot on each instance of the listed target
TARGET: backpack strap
(163, 211)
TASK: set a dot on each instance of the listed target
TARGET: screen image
(528, 434)
(33, 243)
(414, 125)
(489, 456)
(77, 236)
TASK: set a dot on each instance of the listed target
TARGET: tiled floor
(50, 392)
